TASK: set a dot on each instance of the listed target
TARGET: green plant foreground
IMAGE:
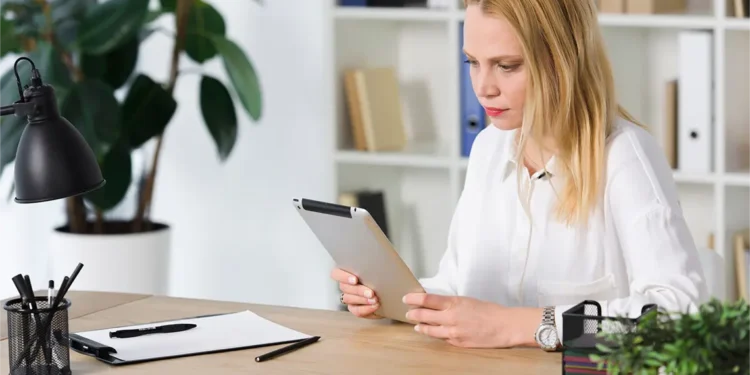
(88, 49)
(714, 340)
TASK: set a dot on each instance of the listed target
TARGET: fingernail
(372, 301)
(352, 280)
(407, 315)
(368, 293)
(416, 327)
(403, 299)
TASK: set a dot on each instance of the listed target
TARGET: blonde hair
(570, 93)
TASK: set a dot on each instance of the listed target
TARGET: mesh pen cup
(38, 340)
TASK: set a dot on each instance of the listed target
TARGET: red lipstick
(494, 112)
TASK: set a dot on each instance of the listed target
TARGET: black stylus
(287, 349)
(169, 328)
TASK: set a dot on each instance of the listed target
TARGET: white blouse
(637, 249)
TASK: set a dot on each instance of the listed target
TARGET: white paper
(213, 333)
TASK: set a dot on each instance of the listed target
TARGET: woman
(566, 197)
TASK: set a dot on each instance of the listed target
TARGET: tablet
(357, 245)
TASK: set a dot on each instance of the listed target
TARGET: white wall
(236, 236)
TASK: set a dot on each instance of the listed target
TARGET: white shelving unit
(423, 182)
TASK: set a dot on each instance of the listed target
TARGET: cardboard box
(611, 6)
(656, 6)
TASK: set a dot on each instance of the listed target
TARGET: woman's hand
(468, 322)
(360, 299)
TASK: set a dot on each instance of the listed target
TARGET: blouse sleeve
(658, 249)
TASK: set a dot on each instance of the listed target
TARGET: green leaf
(203, 20)
(168, 5)
(218, 113)
(11, 126)
(114, 67)
(9, 41)
(147, 110)
(65, 9)
(92, 108)
(110, 24)
(28, 17)
(242, 74)
(67, 16)
(48, 61)
(117, 170)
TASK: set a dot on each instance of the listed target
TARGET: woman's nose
(485, 85)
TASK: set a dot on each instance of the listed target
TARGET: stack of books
(576, 362)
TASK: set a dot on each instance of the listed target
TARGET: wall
(236, 236)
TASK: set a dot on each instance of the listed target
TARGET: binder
(473, 117)
(222, 333)
(695, 101)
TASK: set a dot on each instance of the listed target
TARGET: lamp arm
(7, 110)
(21, 109)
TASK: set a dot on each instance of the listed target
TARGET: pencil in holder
(38, 339)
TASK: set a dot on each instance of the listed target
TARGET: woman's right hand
(361, 300)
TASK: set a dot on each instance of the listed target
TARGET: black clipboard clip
(91, 348)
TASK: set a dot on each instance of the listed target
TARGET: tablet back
(357, 245)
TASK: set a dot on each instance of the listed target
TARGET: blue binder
(473, 118)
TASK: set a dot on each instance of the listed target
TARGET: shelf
(419, 156)
(737, 179)
(694, 178)
(391, 14)
(658, 21)
(737, 24)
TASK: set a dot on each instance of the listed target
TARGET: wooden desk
(348, 345)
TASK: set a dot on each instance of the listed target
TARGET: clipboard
(219, 333)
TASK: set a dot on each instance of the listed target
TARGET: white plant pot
(127, 263)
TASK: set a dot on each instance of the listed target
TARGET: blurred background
(362, 102)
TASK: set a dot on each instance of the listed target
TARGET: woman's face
(498, 72)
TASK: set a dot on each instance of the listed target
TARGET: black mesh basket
(38, 345)
(582, 324)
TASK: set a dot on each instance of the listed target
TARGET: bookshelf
(423, 182)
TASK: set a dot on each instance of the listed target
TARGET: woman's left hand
(468, 322)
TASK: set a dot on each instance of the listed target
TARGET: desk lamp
(53, 160)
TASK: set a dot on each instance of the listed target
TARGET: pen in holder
(38, 345)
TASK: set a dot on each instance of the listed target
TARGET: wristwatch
(546, 334)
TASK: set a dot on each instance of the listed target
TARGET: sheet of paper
(219, 332)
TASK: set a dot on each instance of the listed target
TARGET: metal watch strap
(548, 315)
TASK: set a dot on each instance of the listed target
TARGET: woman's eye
(508, 68)
(470, 62)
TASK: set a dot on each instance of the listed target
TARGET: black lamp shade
(53, 160)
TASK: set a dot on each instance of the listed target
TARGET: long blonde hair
(570, 93)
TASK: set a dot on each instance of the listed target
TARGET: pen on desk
(169, 328)
(287, 349)
(50, 292)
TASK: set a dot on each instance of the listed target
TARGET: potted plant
(88, 50)
(713, 340)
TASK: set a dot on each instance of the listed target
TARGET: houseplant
(88, 50)
(713, 340)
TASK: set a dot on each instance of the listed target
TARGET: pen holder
(38, 345)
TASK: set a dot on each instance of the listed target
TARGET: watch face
(548, 336)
